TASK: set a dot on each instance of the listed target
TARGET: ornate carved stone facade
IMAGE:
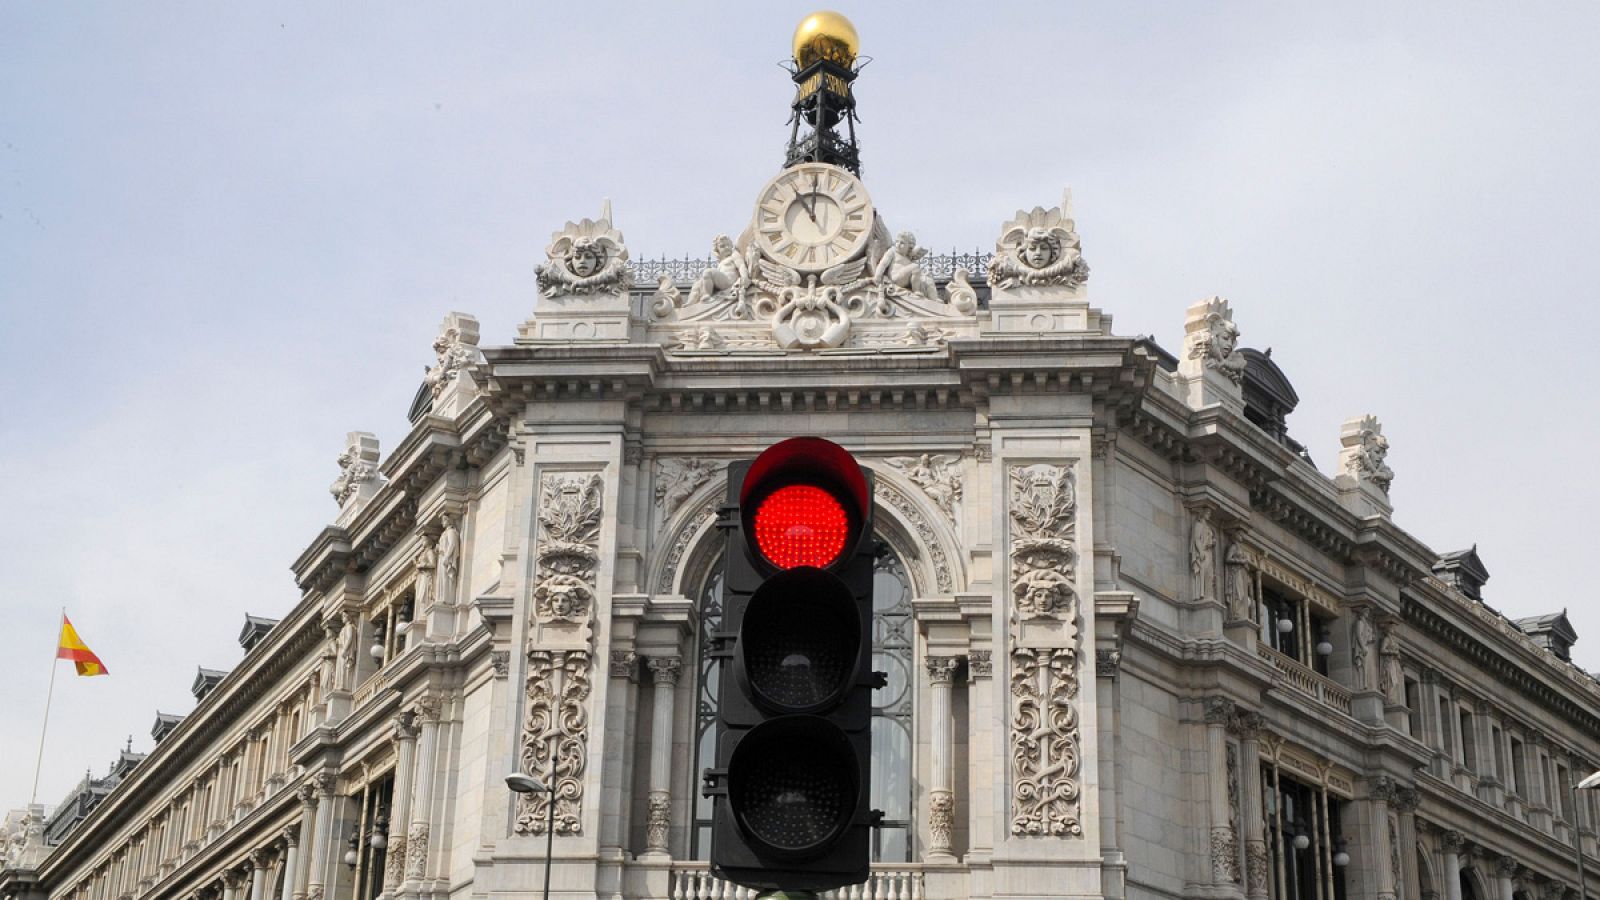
(1044, 488)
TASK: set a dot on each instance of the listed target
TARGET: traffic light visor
(800, 642)
(794, 784)
(803, 502)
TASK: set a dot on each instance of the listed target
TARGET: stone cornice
(433, 446)
(289, 644)
(1503, 652)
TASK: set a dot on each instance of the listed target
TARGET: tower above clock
(823, 121)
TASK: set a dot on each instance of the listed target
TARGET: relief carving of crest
(1038, 248)
(569, 516)
(585, 257)
(677, 478)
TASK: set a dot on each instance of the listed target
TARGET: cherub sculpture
(898, 268)
(731, 273)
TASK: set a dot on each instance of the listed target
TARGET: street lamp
(1588, 784)
(521, 783)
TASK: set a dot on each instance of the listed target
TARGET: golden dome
(825, 34)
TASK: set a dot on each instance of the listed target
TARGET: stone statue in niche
(1240, 585)
(1203, 555)
(1217, 343)
(1391, 675)
(1038, 248)
(585, 258)
(449, 551)
(899, 269)
(347, 643)
(731, 273)
(1362, 634)
(426, 560)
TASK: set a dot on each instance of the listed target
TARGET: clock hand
(808, 207)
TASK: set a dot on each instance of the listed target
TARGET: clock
(813, 216)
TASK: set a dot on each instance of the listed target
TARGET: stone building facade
(1139, 645)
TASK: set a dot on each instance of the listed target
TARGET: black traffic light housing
(791, 784)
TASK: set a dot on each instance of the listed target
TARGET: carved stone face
(584, 260)
(1039, 249)
(1227, 337)
(906, 243)
(722, 246)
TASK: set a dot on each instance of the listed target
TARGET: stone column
(422, 796)
(1247, 726)
(1505, 871)
(1224, 841)
(321, 833)
(260, 859)
(941, 793)
(405, 738)
(664, 672)
(1451, 842)
(291, 861)
(295, 883)
(1384, 855)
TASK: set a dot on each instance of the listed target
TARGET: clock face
(813, 216)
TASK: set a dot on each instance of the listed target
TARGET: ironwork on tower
(823, 69)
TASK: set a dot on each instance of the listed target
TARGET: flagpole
(49, 692)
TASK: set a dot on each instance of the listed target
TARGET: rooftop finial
(823, 68)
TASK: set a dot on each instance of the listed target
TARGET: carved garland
(1044, 679)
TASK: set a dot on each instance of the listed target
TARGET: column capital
(1247, 725)
(1218, 710)
(980, 664)
(1107, 662)
(624, 664)
(307, 793)
(405, 726)
(941, 669)
(261, 857)
(428, 707)
(1452, 841)
(1506, 867)
(290, 835)
(664, 669)
(327, 782)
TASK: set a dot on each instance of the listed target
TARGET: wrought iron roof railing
(684, 271)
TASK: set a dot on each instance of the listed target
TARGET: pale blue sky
(227, 237)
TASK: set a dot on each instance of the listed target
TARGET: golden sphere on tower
(825, 35)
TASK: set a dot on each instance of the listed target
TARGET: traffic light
(794, 719)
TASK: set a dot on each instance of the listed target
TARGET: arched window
(892, 653)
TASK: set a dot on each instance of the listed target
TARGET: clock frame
(813, 216)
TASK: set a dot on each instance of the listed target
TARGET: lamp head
(521, 783)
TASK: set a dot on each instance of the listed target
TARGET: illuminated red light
(801, 525)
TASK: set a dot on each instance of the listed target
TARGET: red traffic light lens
(801, 525)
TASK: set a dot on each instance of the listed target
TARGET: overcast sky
(227, 237)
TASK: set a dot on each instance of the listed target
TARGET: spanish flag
(72, 647)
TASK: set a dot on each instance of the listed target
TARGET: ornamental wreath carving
(1045, 739)
(569, 517)
(556, 728)
(1038, 248)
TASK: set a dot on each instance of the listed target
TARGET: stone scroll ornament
(1045, 738)
(748, 300)
(585, 257)
(556, 727)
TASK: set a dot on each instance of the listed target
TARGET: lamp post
(1588, 784)
(521, 783)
